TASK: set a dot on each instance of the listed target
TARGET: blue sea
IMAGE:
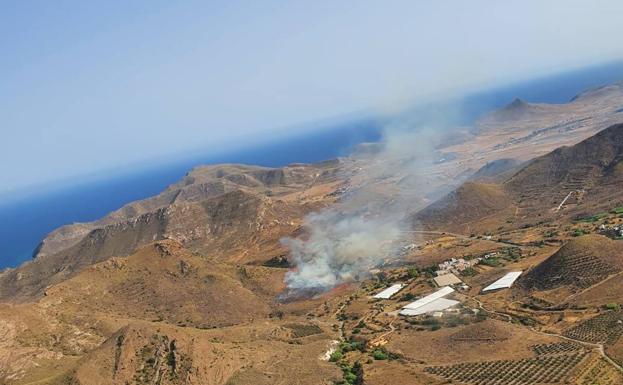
(24, 222)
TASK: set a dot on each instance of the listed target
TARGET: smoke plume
(371, 223)
(340, 248)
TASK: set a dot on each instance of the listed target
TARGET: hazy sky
(90, 85)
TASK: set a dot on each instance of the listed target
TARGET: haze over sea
(26, 219)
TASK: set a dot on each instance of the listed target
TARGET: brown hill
(232, 213)
(166, 282)
(591, 168)
(593, 164)
(468, 202)
(229, 226)
(481, 332)
(163, 312)
(599, 93)
(579, 113)
(517, 110)
(141, 352)
(202, 183)
(580, 263)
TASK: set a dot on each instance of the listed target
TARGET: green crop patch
(594, 218)
(617, 210)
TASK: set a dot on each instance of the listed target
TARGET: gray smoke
(370, 225)
(340, 247)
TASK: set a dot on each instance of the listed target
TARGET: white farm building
(505, 282)
(431, 303)
(389, 292)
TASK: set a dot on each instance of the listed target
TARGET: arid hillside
(593, 168)
(569, 181)
(202, 184)
(188, 287)
(232, 213)
(238, 213)
(470, 201)
(580, 264)
(163, 312)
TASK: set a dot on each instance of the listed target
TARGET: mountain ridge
(593, 167)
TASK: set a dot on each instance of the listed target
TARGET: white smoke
(339, 248)
(369, 226)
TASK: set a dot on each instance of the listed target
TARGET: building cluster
(436, 303)
(457, 265)
(616, 231)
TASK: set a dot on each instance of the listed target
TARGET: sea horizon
(27, 221)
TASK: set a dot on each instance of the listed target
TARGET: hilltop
(517, 110)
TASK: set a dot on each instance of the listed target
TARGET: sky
(87, 86)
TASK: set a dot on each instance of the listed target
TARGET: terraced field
(303, 330)
(579, 270)
(597, 372)
(556, 348)
(547, 369)
(605, 328)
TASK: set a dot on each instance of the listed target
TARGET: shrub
(430, 270)
(492, 262)
(578, 233)
(612, 306)
(594, 218)
(336, 356)
(469, 272)
(382, 277)
(413, 272)
(350, 377)
(358, 372)
(430, 321)
(408, 297)
(379, 355)
(527, 321)
(514, 253)
(349, 346)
